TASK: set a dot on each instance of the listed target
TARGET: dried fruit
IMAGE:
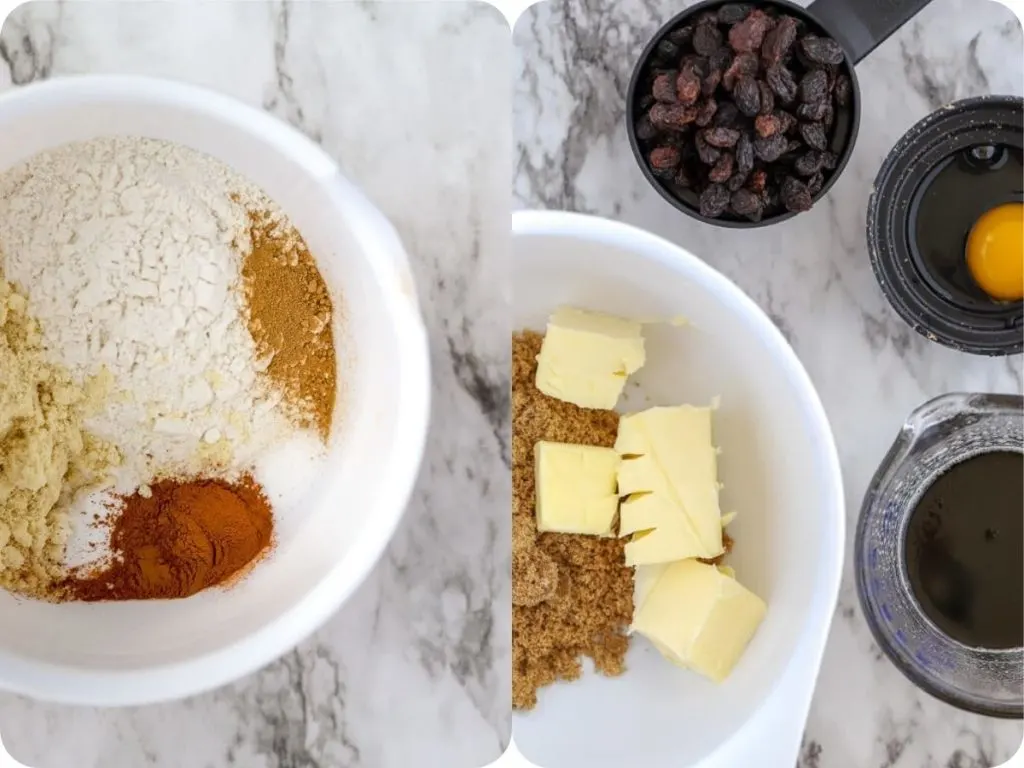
(664, 88)
(758, 181)
(727, 115)
(672, 117)
(767, 98)
(781, 81)
(814, 136)
(770, 149)
(748, 34)
(808, 163)
(687, 85)
(814, 86)
(767, 125)
(747, 96)
(706, 39)
(713, 201)
(778, 41)
(822, 50)
(723, 169)
(843, 90)
(743, 65)
(794, 195)
(706, 112)
(732, 13)
(722, 138)
(814, 111)
(744, 154)
(664, 160)
(815, 183)
(829, 160)
(707, 154)
(788, 121)
(645, 130)
(736, 181)
(681, 36)
(745, 203)
(667, 51)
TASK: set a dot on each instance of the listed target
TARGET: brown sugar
(572, 596)
(289, 316)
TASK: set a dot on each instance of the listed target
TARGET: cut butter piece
(575, 488)
(669, 476)
(699, 618)
(586, 357)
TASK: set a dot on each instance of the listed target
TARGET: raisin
(667, 51)
(706, 112)
(646, 102)
(707, 154)
(732, 13)
(829, 118)
(795, 195)
(788, 121)
(767, 125)
(645, 130)
(723, 169)
(706, 39)
(710, 83)
(814, 86)
(842, 89)
(682, 178)
(665, 158)
(770, 149)
(778, 42)
(720, 59)
(758, 181)
(829, 160)
(744, 65)
(822, 51)
(781, 81)
(727, 115)
(736, 181)
(747, 96)
(747, 35)
(808, 163)
(794, 145)
(672, 117)
(687, 85)
(681, 36)
(814, 136)
(745, 203)
(744, 154)
(713, 201)
(721, 137)
(767, 98)
(814, 111)
(815, 183)
(664, 88)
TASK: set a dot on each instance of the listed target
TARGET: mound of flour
(130, 251)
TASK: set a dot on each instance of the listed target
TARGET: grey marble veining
(573, 63)
(413, 100)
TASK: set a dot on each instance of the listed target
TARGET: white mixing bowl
(778, 464)
(133, 653)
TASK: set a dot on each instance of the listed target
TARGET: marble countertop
(812, 276)
(413, 100)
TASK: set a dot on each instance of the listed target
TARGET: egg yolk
(995, 252)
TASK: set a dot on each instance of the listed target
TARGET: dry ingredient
(289, 316)
(177, 538)
(572, 595)
(45, 456)
(742, 108)
(129, 250)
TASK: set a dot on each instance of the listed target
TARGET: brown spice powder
(572, 596)
(289, 317)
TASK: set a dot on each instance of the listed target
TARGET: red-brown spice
(180, 539)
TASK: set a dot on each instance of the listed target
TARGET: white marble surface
(812, 275)
(413, 99)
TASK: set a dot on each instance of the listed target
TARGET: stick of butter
(669, 475)
(575, 488)
(699, 617)
(586, 357)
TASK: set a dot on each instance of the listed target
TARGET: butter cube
(586, 357)
(669, 476)
(575, 488)
(699, 618)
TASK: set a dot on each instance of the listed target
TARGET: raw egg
(995, 252)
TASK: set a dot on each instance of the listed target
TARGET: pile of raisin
(740, 106)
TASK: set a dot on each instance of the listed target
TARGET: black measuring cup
(859, 26)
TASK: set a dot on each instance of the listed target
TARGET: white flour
(129, 251)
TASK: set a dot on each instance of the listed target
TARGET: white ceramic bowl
(778, 464)
(133, 653)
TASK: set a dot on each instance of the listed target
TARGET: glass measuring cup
(939, 434)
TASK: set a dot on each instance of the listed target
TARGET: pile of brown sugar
(572, 596)
(289, 315)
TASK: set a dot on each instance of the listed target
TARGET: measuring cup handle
(862, 25)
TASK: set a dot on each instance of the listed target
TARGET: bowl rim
(389, 264)
(642, 244)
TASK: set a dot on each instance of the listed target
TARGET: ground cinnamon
(176, 538)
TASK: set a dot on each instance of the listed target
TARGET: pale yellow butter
(669, 476)
(699, 617)
(575, 488)
(586, 357)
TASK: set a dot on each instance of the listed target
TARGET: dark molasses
(964, 551)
